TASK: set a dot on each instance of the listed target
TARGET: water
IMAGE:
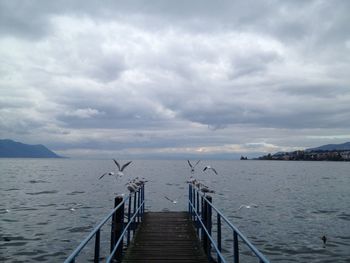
(48, 206)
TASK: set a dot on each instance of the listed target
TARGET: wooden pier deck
(167, 237)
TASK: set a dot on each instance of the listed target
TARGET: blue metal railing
(120, 226)
(200, 209)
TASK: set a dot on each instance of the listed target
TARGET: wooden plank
(165, 237)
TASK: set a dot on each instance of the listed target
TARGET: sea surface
(47, 206)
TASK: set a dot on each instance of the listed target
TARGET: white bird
(208, 167)
(173, 201)
(248, 206)
(121, 169)
(206, 190)
(131, 187)
(193, 166)
(108, 173)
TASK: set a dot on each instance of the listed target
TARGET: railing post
(197, 206)
(117, 227)
(133, 213)
(209, 224)
(235, 248)
(218, 221)
(97, 247)
(143, 199)
(190, 199)
(204, 220)
(194, 202)
(129, 216)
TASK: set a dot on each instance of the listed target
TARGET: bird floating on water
(324, 239)
(193, 166)
(208, 167)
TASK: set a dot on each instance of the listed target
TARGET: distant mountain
(12, 149)
(331, 147)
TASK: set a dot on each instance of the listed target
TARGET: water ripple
(43, 192)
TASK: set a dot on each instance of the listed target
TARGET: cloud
(133, 78)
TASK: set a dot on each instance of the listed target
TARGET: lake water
(48, 206)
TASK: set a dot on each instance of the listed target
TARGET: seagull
(173, 201)
(248, 206)
(132, 187)
(193, 166)
(121, 169)
(108, 173)
(206, 190)
(208, 167)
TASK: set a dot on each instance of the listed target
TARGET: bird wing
(189, 163)
(197, 162)
(125, 165)
(168, 198)
(117, 164)
(205, 168)
(214, 171)
(102, 176)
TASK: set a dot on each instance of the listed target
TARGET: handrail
(209, 236)
(118, 225)
(205, 216)
(92, 233)
(240, 234)
(123, 233)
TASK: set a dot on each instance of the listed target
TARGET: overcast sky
(165, 79)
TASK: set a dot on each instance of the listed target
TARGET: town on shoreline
(316, 155)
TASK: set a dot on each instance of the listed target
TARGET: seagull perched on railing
(132, 187)
(208, 167)
(193, 166)
(206, 190)
(121, 169)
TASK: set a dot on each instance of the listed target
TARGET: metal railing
(121, 225)
(200, 209)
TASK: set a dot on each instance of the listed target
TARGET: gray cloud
(174, 78)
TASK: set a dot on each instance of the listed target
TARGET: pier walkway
(170, 237)
(167, 237)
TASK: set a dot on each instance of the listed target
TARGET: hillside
(332, 147)
(12, 149)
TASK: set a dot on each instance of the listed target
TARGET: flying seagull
(248, 206)
(208, 167)
(173, 201)
(192, 166)
(108, 173)
(121, 169)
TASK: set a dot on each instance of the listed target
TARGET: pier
(166, 237)
(191, 236)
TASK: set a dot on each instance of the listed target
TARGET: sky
(175, 79)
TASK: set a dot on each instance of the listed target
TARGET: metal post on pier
(117, 227)
(208, 224)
